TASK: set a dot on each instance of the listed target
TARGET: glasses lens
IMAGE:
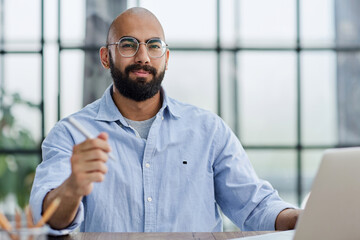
(128, 47)
(156, 48)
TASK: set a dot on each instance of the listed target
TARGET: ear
(104, 57)
(167, 54)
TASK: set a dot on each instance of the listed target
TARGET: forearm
(287, 219)
(88, 165)
(68, 208)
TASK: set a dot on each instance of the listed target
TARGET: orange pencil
(29, 220)
(17, 219)
(49, 212)
(4, 223)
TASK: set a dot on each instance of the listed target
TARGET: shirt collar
(109, 112)
(169, 104)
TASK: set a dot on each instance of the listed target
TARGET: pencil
(84, 132)
(4, 223)
(17, 219)
(49, 212)
(29, 220)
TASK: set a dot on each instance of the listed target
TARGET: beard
(138, 90)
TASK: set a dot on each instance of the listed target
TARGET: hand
(88, 164)
(287, 219)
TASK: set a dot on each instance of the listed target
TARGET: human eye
(154, 44)
(127, 44)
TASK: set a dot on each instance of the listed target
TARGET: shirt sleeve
(52, 172)
(251, 203)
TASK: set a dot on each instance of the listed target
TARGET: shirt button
(147, 165)
(162, 117)
(149, 199)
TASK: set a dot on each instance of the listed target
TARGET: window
(283, 74)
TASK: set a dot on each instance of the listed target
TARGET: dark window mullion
(59, 63)
(298, 107)
(42, 107)
(218, 57)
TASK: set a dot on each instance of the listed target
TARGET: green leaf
(12, 135)
(3, 165)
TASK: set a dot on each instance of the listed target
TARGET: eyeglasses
(129, 46)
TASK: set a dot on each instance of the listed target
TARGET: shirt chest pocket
(172, 165)
(182, 168)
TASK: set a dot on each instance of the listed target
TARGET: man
(174, 163)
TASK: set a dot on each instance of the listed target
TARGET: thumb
(103, 136)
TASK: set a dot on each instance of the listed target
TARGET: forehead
(139, 26)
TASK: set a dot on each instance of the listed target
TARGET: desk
(158, 236)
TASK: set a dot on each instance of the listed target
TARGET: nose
(142, 56)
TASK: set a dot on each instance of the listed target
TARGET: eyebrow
(138, 39)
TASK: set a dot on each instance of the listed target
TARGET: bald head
(134, 19)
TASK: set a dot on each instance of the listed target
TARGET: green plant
(16, 170)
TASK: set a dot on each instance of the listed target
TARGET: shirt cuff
(36, 202)
(270, 218)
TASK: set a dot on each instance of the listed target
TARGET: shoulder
(62, 128)
(90, 110)
(188, 110)
(196, 116)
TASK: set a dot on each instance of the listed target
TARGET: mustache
(135, 67)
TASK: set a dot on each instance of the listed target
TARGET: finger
(89, 144)
(96, 177)
(84, 180)
(94, 155)
(78, 160)
(103, 136)
(95, 166)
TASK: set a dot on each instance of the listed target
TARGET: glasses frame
(138, 46)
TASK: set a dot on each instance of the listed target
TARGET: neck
(137, 111)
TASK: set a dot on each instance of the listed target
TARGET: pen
(88, 135)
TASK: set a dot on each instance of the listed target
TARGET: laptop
(333, 208)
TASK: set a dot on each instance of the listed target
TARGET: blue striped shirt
(175, 181)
